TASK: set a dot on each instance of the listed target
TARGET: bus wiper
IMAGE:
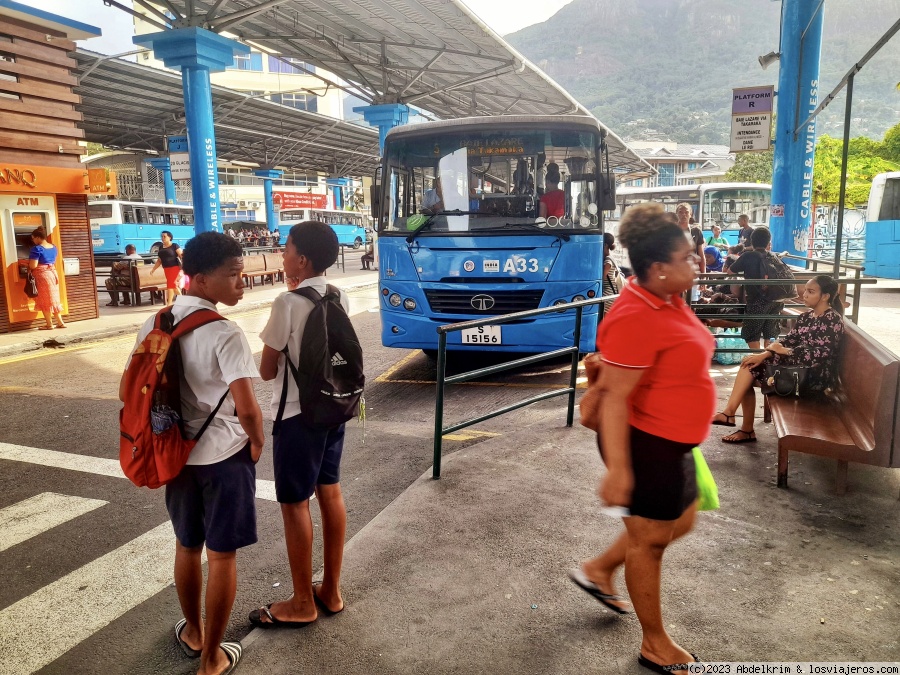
(528, 226)
(430, 220)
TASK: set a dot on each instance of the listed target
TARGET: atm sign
(27, 201)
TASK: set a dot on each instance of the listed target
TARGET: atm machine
(20, 215)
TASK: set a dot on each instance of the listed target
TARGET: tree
(890, 146)
(864, 161)
(751, 167)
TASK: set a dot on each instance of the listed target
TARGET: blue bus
(349, 226)
(882, 229)
(464, 233)
(114, 224)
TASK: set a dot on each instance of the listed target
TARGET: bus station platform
(467, 574)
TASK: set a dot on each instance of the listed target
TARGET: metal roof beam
(421, 72)
(235, 18)
(150, 8)
(142, 17)
(213, 12)
(462, 83)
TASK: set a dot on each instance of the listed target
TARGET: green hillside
(665, 68)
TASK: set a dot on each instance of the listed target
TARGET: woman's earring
(661, 277)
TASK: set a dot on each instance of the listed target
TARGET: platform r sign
(751, 118)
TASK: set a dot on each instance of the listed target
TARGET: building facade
(682, 163)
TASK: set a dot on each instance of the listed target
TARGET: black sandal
(749, 437)
(726, 423)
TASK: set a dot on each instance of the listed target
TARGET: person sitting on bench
(814, 343)
(120, 277)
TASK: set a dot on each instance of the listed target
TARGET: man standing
(745, 231)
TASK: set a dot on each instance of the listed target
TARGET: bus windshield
(723, 206)
(481, 179)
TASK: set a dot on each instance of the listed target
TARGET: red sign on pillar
(299, 200)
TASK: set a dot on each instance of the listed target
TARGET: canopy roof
(129, 106)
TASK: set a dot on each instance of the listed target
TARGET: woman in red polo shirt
(657, 400)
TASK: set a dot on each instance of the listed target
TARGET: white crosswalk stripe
(265, 489)
(40, 628)
(31, 517)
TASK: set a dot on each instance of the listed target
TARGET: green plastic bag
(707, 492)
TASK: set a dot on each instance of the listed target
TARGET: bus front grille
(484, 304)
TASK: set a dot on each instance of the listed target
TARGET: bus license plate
(98, 242)
(483, 335)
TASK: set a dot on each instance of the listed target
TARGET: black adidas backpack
(330, 374)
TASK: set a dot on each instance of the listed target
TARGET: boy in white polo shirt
(212, 500)
(306, 458)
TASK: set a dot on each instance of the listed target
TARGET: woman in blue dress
(42, 263)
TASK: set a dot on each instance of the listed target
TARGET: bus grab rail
(442, 380)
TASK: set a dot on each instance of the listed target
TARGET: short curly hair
(317, 241)
(208, 251)
(651, 234)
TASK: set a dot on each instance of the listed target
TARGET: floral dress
(816, 341)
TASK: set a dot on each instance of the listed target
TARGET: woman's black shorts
(665, 478)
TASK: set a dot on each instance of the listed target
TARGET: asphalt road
(87, 588)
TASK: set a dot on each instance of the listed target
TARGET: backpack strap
(195, 320)
(310, 294)
(282, 403)
(212, 415)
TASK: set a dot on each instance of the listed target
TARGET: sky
(503, 16)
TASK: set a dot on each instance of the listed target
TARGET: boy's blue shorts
(304, 457)
(215, 503)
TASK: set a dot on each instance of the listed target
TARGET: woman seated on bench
(814, 343)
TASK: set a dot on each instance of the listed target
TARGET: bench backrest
(254, 264)
(868, 390)
(143, 278)
(274, 262)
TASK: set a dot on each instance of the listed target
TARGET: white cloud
(508, 16)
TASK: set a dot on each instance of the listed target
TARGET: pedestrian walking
(170, 258)
(657, 400)
(212, 500)
(306, 455)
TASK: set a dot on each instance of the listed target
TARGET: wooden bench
(275, 266)
(858, 423)
(144, 282)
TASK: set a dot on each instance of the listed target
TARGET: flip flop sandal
(726, 423)
(233, 651)
(322, 605)
(273, 622)
(189, 651)
(664, 670)
(749, 437)
(579, 578)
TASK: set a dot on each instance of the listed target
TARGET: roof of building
(73, 30)
(686, 151)
(130, 106)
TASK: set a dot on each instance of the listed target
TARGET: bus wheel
(431, 353)
(357, 243)
(154, 250)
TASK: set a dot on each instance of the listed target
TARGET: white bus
(114, 224)
(882, 255)
(349, 226)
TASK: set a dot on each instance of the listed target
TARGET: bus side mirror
(607, 192)
(375, 200)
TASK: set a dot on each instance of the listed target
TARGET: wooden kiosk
(42, 180)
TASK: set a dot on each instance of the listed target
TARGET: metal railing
(442, 380)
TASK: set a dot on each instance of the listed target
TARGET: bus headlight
(578, 298)
(395, 300)
(559, 302)
(409, 304)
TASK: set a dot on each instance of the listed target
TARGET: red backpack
(152, 444)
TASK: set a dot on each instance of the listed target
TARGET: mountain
(665, 68)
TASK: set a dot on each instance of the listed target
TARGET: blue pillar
(197, 52)
(165, 166)
(337, 185)
(798, 86)
(268, 175)
(385, 116)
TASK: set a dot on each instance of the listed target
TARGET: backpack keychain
(362, 417)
